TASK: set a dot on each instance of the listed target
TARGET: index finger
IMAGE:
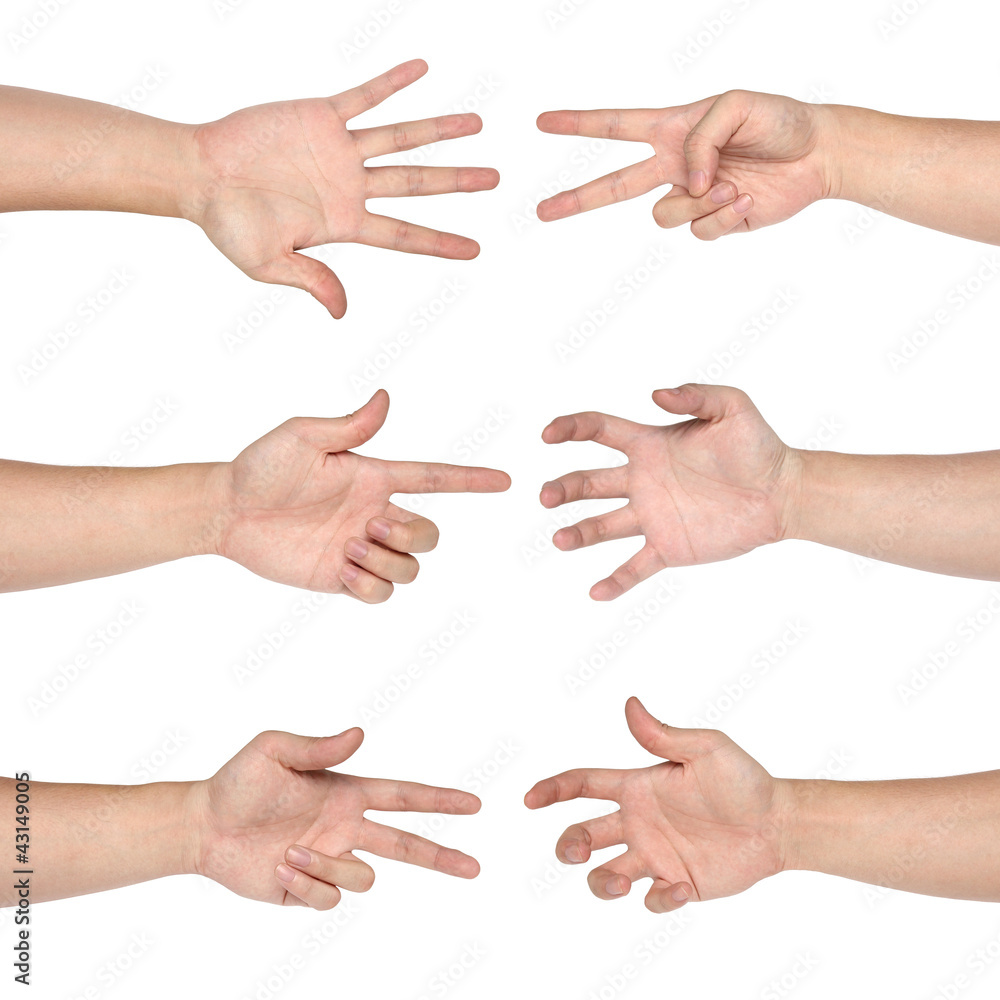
(436, 477)
(633, 125)
(387, 795)
(367, 95)
(615, 432)
(580, 783)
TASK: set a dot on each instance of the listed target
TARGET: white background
(833, 695)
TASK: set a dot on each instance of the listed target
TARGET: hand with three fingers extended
(277, 178)
(700, 491)
(705, 823)
(277, 827)
(737, 162)
(303, 509)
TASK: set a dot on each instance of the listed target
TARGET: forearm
(88, 838)
(936, 172)
(936, 836)
(62, 524)
(939, 513)
(61, 152)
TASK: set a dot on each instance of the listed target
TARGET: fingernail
(613, 888)
(679, 894)
(574, 853)
(697, 180)
(742, 204)
(349, 573)
(378, 528)
(673, 392)
(285, 873)
(721, 193)
(298, 856)
(356, 548)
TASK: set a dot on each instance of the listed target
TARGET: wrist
(853, 152)
(196, 828)
(829, 128)
(804, 510)
(212, 506)
(169, 830)
(814, 825)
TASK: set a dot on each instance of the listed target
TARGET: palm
(296, 515)
(701, 823)
(705, 823)
(703, 492)
(257, 808)
(278, 178)
(707, 489)
(302, 187)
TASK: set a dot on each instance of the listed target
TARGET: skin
(297, 506)
(723, 484)
(271, 825)
(740, 161)
(263, 182)
(709, 821)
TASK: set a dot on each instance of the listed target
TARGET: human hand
(700, 491)
(278, 178)
(304, 510)
(273, 825)
(737, 162)
(708, 822)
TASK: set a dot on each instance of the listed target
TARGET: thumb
(310, 753)
(703, 143)
(312, 276)
(343, 433)
(665, 896)
(706, 402)
(668, 742)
